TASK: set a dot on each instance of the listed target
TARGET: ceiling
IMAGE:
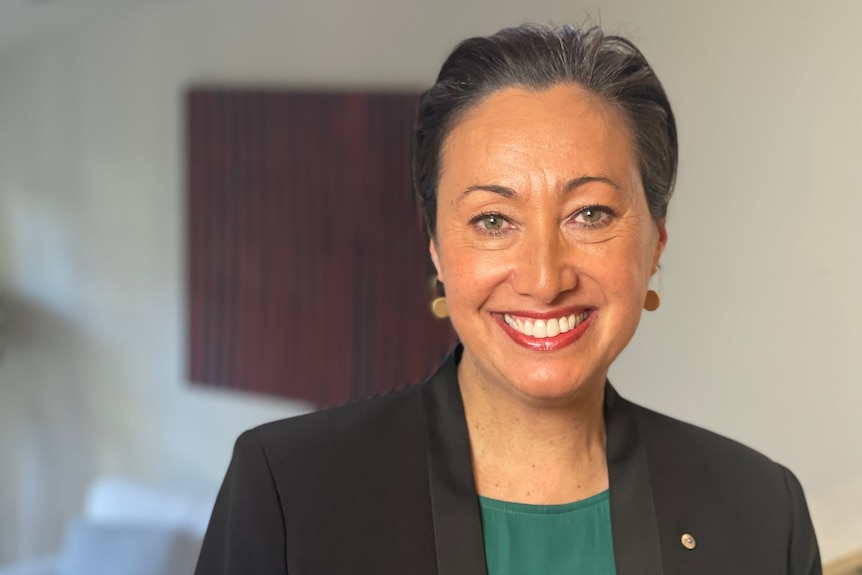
(25, 22)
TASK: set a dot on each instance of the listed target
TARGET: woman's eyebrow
(507, 192)
(575, 183)
(501, 190)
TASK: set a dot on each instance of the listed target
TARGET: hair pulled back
(537, 58)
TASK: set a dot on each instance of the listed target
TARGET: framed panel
(307, 267)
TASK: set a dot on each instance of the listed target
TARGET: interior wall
(757, 337)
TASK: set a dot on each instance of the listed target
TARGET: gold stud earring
(652, 300)
(439, 308)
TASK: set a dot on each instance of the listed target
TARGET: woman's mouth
(547, 333)
(542, 328)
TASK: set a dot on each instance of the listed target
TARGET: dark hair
(538, 57)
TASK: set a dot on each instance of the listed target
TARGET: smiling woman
(541, 217)
(544, 160)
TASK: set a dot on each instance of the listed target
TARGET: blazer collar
(633, 518)
(455, 504)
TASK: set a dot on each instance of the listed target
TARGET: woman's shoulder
(669, 437)
(685, 458)
(702, 482)
(358, 427)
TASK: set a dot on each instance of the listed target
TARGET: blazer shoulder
(690, 464)
(363, 425)
(703, 482)
(702, 447)
(351, 478)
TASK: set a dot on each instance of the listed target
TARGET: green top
(573, 538)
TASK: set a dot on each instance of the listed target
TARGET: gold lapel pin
(688, 541)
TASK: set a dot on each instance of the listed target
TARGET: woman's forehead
(516, 133)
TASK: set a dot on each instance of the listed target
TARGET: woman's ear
(432, 249)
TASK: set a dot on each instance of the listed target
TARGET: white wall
(761, 322)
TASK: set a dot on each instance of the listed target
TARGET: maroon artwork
(307, 267)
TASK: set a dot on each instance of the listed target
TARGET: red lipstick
(545, 343)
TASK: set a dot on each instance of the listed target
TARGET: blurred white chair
(128, 529)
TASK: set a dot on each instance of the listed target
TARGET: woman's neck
(530, 451)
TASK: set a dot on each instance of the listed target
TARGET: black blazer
(385, 487)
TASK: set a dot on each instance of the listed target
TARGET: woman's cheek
(475, 276)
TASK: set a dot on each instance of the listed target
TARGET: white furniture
(128, 529)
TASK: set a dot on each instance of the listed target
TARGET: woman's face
(544, 240)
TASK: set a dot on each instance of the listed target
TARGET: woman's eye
(593, 216)
(489, 223)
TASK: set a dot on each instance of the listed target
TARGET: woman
(544, 161)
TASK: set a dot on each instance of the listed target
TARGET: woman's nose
(544, 268)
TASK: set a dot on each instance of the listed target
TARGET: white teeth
(564, 325)
(541, 329)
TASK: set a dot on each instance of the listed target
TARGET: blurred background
(759, 336)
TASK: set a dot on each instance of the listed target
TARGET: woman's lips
(542, 328)
(549, 332)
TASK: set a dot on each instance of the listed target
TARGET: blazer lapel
(455, 505)
(633, 518)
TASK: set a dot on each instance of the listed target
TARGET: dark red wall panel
(308, 269)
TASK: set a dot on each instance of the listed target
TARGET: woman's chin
(540, 385)
(554, 392)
